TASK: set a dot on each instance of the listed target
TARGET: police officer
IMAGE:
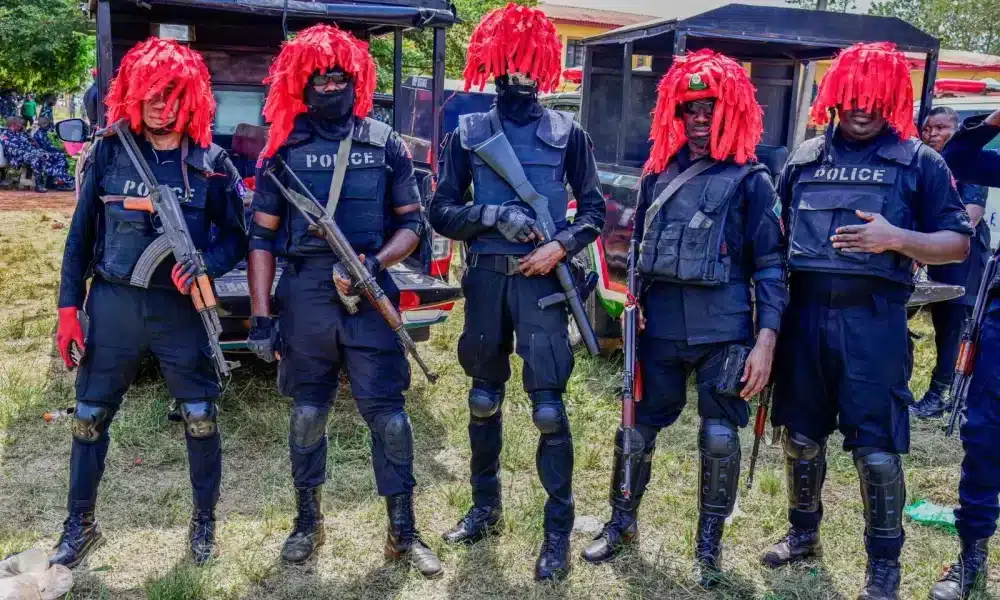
(949, 317)
(510, 265)
(979, 488)
(380, 213)
(703, 248)
(52, 165)
(862, 202)
(163, 90)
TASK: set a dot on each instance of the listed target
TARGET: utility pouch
(733, 366)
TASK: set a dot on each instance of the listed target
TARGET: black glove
(512, 222)
(263, 339)
(373, 265)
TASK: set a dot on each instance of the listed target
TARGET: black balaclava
(331, 112)
(518, 103)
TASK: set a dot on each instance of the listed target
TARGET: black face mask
(519, 103)
(333, 106)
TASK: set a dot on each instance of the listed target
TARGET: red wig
(737, 122)
(318, 48)
(514, 39)
(150, 68)
(873, 77)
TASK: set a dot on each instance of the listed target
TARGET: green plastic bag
(926, 512)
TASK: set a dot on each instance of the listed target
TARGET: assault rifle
(971, 331)
(759, 425)
(313, 211)
(498, 154)
(632, 381)
(168, 219)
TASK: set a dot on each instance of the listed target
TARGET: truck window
(237, 106)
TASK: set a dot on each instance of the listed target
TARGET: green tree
(961, 24)
(46, 46)
(418, 44)
(832, 5)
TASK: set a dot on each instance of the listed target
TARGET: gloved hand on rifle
(183, 275)
(512, 222)
(342, 277)
(263, 339)
(70, 332)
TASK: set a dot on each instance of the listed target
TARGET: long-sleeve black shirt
(452, 217)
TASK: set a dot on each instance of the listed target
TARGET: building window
(574, 53)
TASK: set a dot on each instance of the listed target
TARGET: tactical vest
(361, 212)
(127, 233)
(825, 196)
(685, 241)
(541, 148)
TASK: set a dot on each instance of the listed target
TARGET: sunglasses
(704, 109)
(334, 77)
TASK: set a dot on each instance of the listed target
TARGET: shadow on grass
(809, 579)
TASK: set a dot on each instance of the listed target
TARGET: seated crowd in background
(36, 151)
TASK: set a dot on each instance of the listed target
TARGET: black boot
(935, 403)
(478, 523)
(708, 550)
(966, 574)
(81, 534)
(553, 558)
(40, 183)
(308, 534)
(798, 544)
(623, 528)
(881, 580)
(201, 536)
(403, 540)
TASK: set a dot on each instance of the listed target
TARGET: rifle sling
(672, 187)
(525, 191)
(339, 172)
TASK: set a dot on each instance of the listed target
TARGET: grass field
(145, 499)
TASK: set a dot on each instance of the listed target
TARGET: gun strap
(184, 168)
(525, 190)
(135, 155)
(339, 172)
(672, 187)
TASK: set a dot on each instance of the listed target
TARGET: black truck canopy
(774, 40)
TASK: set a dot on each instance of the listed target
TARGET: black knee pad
(200, 419)
(883, 491)
(90, 421)
(308, 425)
(396, 433)
(549, 414)
(719, 444)
(484, 401)
(805, 470)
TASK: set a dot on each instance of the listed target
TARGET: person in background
(47, 107)
(979, 488)
(8, 104)
(51, 159)
(29, 108)
(90, 105)
(949, 317)
(21, 151)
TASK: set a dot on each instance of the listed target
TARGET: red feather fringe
(874, 76)
(737, 123)
(318, 48)
(148, 69)
(514, 39)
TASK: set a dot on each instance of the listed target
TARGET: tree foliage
(961, 24)
(46, 46)
(832, 5)
(418, 44)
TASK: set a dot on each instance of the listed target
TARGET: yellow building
(575, 23)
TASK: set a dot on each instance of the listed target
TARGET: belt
(506, 264)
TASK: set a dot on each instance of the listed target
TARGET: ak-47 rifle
(631, 438)
(174, 239)
(966, 362)
(759, 426)
(313, 211)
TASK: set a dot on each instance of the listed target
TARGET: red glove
(183, 276)
(69, 332)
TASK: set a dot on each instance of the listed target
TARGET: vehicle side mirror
(72, 130)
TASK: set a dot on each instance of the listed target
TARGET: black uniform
(501, 305)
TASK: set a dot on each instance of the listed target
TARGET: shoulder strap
(672, 187)
(339, 172)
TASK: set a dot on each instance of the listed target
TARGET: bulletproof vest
(825, 195)
(361, 211)
(127, 233)
(685, 242)
(541, 147)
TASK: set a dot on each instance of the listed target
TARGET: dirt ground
(11, 200)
